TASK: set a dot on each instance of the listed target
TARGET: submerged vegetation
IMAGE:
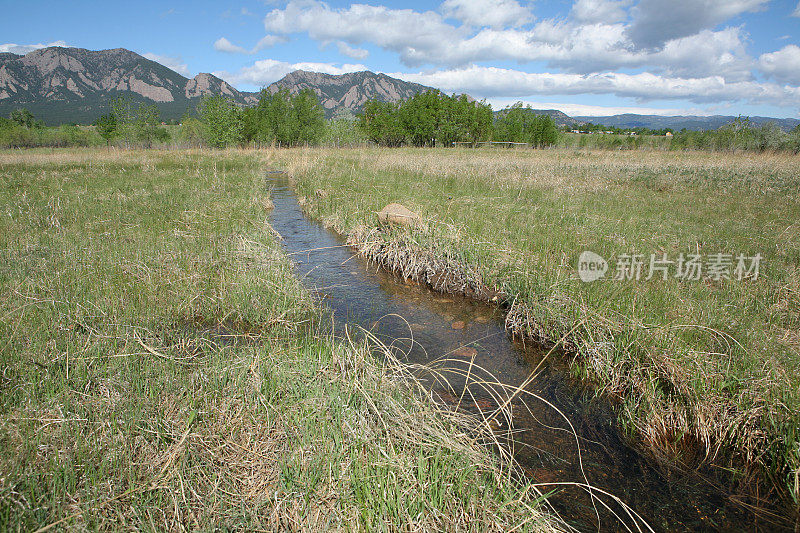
(703, 371)
(162, 369)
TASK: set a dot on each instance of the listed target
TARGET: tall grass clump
(162, 369)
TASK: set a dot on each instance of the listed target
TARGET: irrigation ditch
(469, 345)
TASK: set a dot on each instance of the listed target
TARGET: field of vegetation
(162, 370)
(703, 370)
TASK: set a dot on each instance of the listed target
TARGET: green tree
(147, 125)
(427, 119)
(222, 121)
(23, 118)
(137, 122)
(342, 129)
(544, 131)
(420, 117)
(480, 123)
(191, 131)
(270, 120)
(124, 116)
(380, 123)
(523, 125)
(307, 118)
(106, 126)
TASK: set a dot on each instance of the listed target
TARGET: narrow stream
(359, 293)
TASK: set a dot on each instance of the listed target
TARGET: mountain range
(63, 85)
(348, 91)
(677, 123)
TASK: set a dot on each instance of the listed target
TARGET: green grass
(160, 369)
(704, 371)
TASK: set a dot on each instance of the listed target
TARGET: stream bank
(429, 329)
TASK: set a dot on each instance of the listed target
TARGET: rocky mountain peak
(205, 84)
(348, 91)
(61, 84)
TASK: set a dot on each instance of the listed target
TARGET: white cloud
(581, 46)
(720, 52)
(174, 63)
(268, 41)
(609, 11)
(783, 65)
(224, 45)
(495, 82)
(491, 13)
(23, 49)
(349, 51)
(403, 31)
(266, 71)
(796, 12)
(657, 21)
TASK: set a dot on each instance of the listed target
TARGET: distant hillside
(61, 85)
(348, 91)
(677, 123)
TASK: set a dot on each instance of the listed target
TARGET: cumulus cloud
(721, 52)
(609, 11)
(404, 31)
(783, 65)
(492, 82)
(491, 13)
(580, 44)
(349, 51)
(23, 49)
(657, 21)
(174, 63)
(224, 45)
(266, 71)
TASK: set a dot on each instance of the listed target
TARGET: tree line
(278, 118)
(431, 118)
(426, 119)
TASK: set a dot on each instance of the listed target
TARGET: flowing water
(425, 326)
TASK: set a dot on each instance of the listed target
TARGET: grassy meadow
(702, 371)
(161, 369)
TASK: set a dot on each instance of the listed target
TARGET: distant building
(668, 134)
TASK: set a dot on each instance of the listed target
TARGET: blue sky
(581, 56)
